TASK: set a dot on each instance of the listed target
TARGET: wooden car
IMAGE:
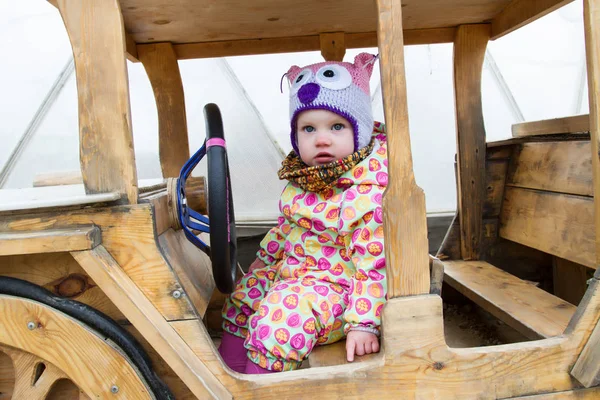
(139, 327)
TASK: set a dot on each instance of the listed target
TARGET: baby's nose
(308, 93)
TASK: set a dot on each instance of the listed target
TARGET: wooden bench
(539, 195)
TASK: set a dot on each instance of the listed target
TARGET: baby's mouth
(324, 158)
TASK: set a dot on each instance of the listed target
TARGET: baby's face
(323, 137)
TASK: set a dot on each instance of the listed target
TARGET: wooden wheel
(31, 377)
(48, 349)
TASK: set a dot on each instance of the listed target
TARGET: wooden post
(97, 35)
(333, 46)
(469, 52)
(161, 66)
(405, 221)
(587, 368)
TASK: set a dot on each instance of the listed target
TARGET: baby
(320, 273)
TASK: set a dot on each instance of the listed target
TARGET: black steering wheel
(221, 220)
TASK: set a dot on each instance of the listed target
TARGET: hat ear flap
(365, 61)
(293, 73)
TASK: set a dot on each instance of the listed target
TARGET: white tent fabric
(535, 73)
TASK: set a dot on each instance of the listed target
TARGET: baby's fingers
(375, 346)
(350, 347)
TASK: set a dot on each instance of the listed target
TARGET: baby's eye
(309, 129)
(337, 127)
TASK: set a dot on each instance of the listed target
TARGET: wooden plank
(51, 241)
(405, 221)
(85, 357)
(186, 22)
(131, 48)
(192, 266)
(570, 280)
(579, 394)
(333, 46)
(469, 52)
(128, 232)
(587, 368)
(415, 361)
(559, 224)
(149, 322)
(522, 12)
(12, 200)
(495, 178)
(160, 63)
(60, 274)
(564, 167)
(528, 309)
(575, 124)
(227, 48)
(97, 36)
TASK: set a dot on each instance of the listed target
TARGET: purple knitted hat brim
(348, 117)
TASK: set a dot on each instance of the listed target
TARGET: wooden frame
(148, 277)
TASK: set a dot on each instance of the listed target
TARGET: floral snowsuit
(325, 268)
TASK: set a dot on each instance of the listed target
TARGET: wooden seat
(523, 306)
(537, 216)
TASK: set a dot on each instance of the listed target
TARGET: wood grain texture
(559, 224)
(106, 153)
(570, 279)
(528, 309)
(192, 266)
(469, 52)
(192, 21)
(228, 48)
(564, 167)
(129, 234)
(150, 323)
(495, 179)
(84, 357)
(416, 363)
(333, 46)
(521, 12)
(50, 241)
(405, 220)
(160, 63)
(591, 18)
(575, 124)
(587, 368)
(579, 394)
(60, 274)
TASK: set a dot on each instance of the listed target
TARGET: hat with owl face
(339, 87)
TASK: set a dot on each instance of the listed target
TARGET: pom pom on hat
(339, 87)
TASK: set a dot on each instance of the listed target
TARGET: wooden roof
(191, 21)
(216, 28)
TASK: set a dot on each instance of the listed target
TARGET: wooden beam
(161, 65)
(95, 29)
(557, 126)
(587, 368)
(469, 52)
(333, 46)
(570, 279)
(405, 221)
(51, 241)
(57, 178)
(228, 48)
(521, 12)
(131, 48)
(107, 274)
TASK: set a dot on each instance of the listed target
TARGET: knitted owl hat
(339, 87)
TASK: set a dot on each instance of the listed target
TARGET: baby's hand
(257, 264)
(360, 343)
